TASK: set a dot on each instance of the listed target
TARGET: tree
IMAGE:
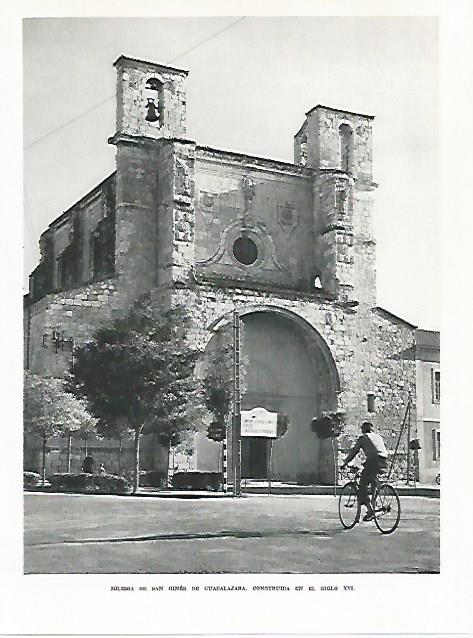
(137, 374)
(217, 381)
(218, 384)
(329, 425)
(48, 410)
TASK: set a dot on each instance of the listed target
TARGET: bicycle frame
(383, 491)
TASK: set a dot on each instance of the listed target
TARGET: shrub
(154, 478)
(90, 483)
(198, 481)
(328, 425)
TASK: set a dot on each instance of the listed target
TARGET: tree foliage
(137, 374)
(49, 410)
(217, 381)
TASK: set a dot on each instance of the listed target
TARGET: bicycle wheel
(348, 507)
(387, 508)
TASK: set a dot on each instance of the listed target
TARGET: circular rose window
(245, 251)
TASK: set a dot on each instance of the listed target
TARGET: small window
(371, 402)
(346, 147)
(437, 386)
(245, 251)
(435, 445)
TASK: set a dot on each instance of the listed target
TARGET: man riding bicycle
(376, 454)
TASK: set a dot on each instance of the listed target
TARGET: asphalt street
(253, 534)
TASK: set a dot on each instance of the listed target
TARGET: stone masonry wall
(370, 350)
(77, 313)
(266, 202)
(136, 215)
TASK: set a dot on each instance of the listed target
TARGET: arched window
(346, 147)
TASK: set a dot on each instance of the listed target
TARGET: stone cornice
(83, 201)
(145, 140)
(252, 161)
(123, 59)
(343, 112)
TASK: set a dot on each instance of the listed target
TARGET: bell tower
(150, 122)
(151, 99)
(155, 176)
(338, 146)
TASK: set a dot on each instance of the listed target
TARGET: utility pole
(408, 479)
(236, 417)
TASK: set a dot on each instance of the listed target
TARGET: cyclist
(376, 454)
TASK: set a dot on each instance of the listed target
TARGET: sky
(251, 81)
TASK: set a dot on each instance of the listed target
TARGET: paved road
(254, 534)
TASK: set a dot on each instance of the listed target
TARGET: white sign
(259, 422)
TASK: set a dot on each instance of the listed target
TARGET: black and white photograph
(230, 368)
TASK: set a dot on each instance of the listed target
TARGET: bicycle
(385, 502)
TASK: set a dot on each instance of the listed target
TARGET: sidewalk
(278, 488)
(262, 488)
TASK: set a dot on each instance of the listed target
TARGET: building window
(435, 381)
(245, 251)
(435, 445)
(371, 402)
(346, 147)
(303, 152)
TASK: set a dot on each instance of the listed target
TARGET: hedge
(198, 481)
(90, 483)
(151, 478)
(154, 478)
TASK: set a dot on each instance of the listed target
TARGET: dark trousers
(369, 475)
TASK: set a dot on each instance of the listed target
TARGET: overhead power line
(211, 37)
(29, 221)
(111, 97)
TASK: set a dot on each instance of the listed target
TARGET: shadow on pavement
(242, 534)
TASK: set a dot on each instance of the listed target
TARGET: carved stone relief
(287, 217)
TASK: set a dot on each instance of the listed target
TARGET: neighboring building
(428, 403)
(288, 245)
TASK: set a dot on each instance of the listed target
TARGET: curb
(309, 490)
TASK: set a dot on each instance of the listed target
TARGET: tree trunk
(120, 455)
(334, 468)
(136, 473)
(270, 453)
(167, 463)
(69, 446)
(43, 465)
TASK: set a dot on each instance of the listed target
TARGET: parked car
(32, 480)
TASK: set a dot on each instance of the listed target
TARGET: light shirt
(372, 445)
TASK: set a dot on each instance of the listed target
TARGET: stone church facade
(288, 245)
